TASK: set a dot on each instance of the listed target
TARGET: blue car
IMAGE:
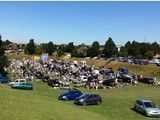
(3, 79)
(70, 95)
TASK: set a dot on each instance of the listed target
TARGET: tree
(30, 47)
(110, 48)
(123, 52)
(3, 58)
(149, 54)
(93, 50)
(80, 51)
(50, 48)
(1, 48)
(60, 50)
(70, 47)
(155, 47)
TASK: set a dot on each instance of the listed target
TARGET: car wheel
(98, 102)
(146, 114)
(135, 108)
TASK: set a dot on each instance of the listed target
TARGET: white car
(83, 78)
(147, 107)
(17, 81)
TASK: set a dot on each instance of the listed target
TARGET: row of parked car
(80, 98)
(131, 60)
(145, 107)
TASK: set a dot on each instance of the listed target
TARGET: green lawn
(42, 104)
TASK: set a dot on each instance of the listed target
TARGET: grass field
(42, 104)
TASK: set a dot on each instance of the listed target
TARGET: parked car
(3, 79)
(17, 81)
(147, 107)
(88, 99)
(126, 78)
(110, 82)
(157, 62)
(54, 83)
(123, 70)
(83, 78)
(27, 86)
(70, 94)
(148, 80)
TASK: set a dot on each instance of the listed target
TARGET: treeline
(140, 50)
(109, 49)
(82, 50)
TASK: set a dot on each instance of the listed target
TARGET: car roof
(90, 94)
(144, 100)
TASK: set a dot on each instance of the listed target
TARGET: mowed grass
(42, 104)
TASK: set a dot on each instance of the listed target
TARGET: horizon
(80, 22)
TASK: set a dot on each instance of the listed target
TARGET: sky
(80, 22)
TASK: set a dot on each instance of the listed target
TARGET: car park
(88, 99)
(70, 94)
(147, 107)
(26, 86)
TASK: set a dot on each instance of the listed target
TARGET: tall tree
(94, 49)
(50, 48)
(155, 47)
(70, 47)
(110, 48)
(30, 47)
(3, 58)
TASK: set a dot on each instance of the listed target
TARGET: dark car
(3, 79)
(70, 95)
(53, 83)
(123, 70)
(109, 82)
(88, 99)
(147, 80)
(126, 78)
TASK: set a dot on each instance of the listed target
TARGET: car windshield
(84, 96)
(149, 105)
(67, 91)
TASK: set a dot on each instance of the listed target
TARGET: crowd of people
(69, 72)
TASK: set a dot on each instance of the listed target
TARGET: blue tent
(44, 58)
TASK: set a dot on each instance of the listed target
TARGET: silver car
(147, 107)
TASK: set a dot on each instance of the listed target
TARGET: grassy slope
(42, 104)
(149, 70)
